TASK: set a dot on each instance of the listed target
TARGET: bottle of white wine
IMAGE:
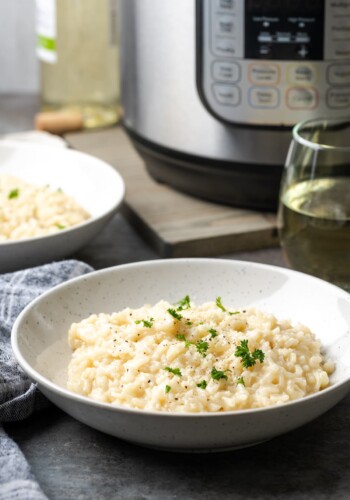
(78, 49)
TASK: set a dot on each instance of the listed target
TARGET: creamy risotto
(188, 358)
(27, 211)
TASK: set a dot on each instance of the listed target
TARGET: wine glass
(314, 208)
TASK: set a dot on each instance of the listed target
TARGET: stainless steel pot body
(167, 53)
(160, 98)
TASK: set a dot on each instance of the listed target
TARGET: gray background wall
(18, 64)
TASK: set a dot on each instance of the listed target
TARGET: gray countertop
(72, 461)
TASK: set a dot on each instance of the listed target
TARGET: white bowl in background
(94, 184)
(40, 344)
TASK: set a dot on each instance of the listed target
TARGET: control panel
(274, 62)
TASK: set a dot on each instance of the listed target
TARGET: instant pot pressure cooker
(211, 88)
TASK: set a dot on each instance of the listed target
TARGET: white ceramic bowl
(39, 341)
(94, 184)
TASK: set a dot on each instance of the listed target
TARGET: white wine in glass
(314, 209)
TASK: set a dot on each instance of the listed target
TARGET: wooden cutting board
(175, 224)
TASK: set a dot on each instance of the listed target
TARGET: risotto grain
(27, 211)
(191, 358)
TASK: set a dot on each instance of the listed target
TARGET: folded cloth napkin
(19, 397)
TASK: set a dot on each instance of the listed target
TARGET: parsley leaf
(145, 322)
(217, 374)
(202, 347)
(13, 194)
(180, 337)
(184, 303)
(219, 304)
(174, 371)
(202, 385)
(248, 358)
(189, 323)
(174, 314)
(213, 332)
(258, 354)
(60, 226)
(240, 380)
(167, 389)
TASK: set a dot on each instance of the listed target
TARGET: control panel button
(340, 29)
(338, 98)
(340, 8)
(264, 97)
(227, 94)
(261, 74)
(301, 74)
(341, 50)
(301, 98)
(226, 71)
(225, 5)
(339, 74)
(225, 47)
(302, 51)
(225, 25)
(337, 30)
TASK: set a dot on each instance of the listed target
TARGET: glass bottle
(77, 44)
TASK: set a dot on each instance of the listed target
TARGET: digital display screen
(290, 5)
(284, 29)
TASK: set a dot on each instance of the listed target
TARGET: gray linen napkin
(19, 397)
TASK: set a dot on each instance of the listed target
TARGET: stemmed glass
(314, 208)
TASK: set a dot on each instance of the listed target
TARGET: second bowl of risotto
(52, 202)
(189, 354)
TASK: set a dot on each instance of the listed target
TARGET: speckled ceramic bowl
(39, 341)
(94, 184)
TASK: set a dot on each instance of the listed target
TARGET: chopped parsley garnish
(248, 358)
(13, 194)
(60, 226)
(219, 304)
(217, 374)
(174, 371)
(202, 385)
(174, 314)
(145, 322)
(167, 389)
(189, 323)
(182, 337)
(202, 347)
(240, 380)
(213, 332)
(184, 303)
